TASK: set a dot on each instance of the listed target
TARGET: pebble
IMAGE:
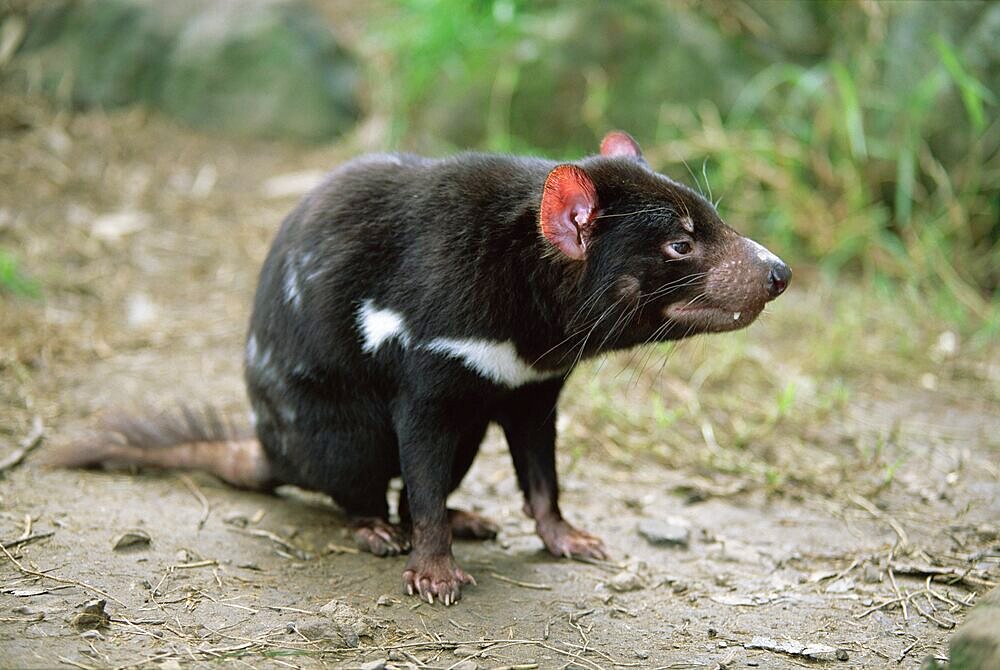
(626, 581)
(374, 665)
(238, 519)
(668, 533)
(466, 665)
(464, 651)
(131, 539)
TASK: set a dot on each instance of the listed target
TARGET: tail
(186, 439)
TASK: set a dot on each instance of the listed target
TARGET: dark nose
(778, 278)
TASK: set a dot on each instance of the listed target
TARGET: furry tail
(186, 439)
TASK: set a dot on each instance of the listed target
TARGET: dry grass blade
(61, 580)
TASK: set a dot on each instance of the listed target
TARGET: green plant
(13, 281)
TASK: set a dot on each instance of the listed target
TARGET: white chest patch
(496, 361)
(492, 359)
(379, 325)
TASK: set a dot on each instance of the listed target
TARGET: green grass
(13, 281)
(860, 142)
(777, 404)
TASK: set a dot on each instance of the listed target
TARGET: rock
(113, 227)
(375, 665)
(466, 651)
(236, 518)
(668, 533)
(465, 665)
(347, 621)
(976, 643)
(842, 585)
(384, 601)
(813, 651)
(91, 616)
(264, 68)
(140, 311)
(626, 580)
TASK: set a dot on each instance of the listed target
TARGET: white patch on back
(378, 325)
(496, 361)
(763, 254)
(292, 294)
(252, 349)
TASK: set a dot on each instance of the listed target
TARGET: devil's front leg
(430, 430)
(529, 423)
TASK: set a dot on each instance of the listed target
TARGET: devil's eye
(678, 249)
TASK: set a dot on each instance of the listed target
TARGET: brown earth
(149, 306)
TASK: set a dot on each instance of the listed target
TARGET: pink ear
(618, 143)
(569, 206)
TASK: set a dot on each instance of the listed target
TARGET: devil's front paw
(435, 577)
(562, 539)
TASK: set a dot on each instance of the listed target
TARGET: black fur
(454, 247)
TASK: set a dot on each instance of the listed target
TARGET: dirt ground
(146, 239)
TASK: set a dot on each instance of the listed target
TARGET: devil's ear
(569, 207)
(619, 144)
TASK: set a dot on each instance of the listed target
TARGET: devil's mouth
(711, 318)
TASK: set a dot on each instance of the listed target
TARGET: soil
(149, 307)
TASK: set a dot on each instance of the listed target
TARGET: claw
(409, 589)
(430, 598)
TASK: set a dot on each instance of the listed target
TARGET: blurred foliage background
(859, 138)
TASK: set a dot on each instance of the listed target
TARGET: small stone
(374, 665)
(872, 575)
(842, 585)
(976, 643)
(466, 665)
(170, 664)
(91, 616)
(131, 539)
(397, 656)
(626, 581)
(669, 533)
(641, 654)
(384, 601)
(238, 519)
(466, 651)
(91, 635)
(113, 227)
(348, 621)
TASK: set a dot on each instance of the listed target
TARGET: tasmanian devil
(406, 303)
